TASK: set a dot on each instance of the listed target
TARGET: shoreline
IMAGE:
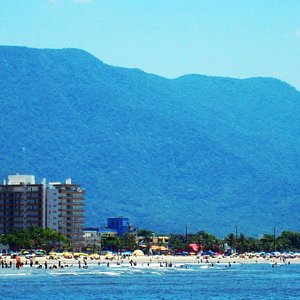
(149, 260)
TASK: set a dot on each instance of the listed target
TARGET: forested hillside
(209, 152)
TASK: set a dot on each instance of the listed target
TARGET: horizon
(133, 68)
(170, 39)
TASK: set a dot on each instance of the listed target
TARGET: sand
(156, 260)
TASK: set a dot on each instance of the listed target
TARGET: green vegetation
(48, 239)
(208, 151)
(287, 241)
(35, 238)
(114, 243)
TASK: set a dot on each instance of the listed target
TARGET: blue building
(120, 224)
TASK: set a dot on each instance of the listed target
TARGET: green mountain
(209, 152)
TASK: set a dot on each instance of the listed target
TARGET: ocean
(240, 281)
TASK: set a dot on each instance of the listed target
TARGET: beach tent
(194, 247)
(138, 253)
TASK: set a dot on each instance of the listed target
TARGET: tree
(289, 241)
(176, 241)
(34, 238)
(128, 242)
(111, 243)
(266, 243)
(147, 238)
(146, 234)
(230, 240)
(241, 244)
(208, 241)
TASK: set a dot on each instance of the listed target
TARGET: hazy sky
(237, 38)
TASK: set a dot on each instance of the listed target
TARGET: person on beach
(18, 264)
(53, 267)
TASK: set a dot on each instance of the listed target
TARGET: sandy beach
(150, 260)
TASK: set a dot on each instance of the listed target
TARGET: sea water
(240, 281)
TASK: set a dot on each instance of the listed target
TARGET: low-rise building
(92, 239)
(120, 224)
(108, 232)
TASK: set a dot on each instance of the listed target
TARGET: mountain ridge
(212, 152)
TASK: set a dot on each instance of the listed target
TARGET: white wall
(52, 208)
(17, 179)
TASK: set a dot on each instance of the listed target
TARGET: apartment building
(65, 210)
(22, 203)
(55, 205)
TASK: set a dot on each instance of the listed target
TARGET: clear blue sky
(236, 38)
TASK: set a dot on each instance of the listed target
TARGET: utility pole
(236, 237)
(100, 240)
(186, 233)
(274, 239)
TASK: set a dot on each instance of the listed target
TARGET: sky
(170, 38)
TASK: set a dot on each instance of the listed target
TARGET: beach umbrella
(108, 256)
(84, 254)
(67, 255)
(138, 253)
(94, 255)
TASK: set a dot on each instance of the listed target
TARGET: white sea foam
(204, 267)
(110, 273)
(63, 273)
(156, 273)
(15, 274)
